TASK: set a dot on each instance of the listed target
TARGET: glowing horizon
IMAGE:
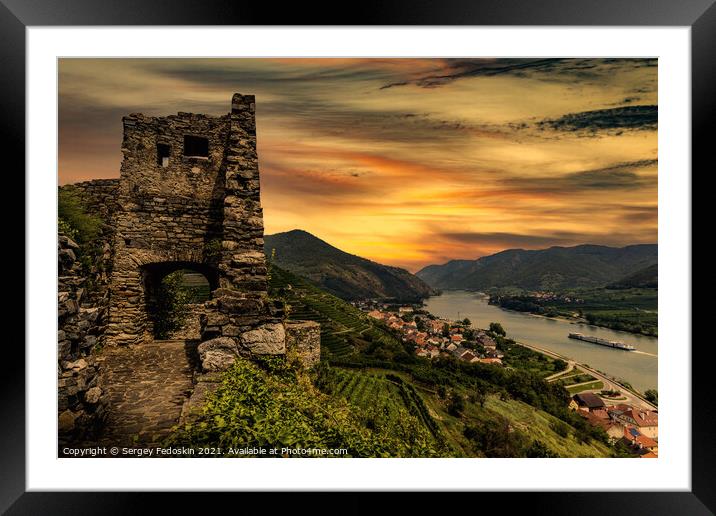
(408, 162)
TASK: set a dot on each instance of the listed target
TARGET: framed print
(431, 251)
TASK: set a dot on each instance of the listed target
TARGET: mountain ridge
(344, 275)
(647, 277)
(585, 265)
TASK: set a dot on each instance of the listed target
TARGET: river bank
(628, 310)
(638, 368)
(629, 396)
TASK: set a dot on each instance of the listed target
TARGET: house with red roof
(638, 441)
(646, 421)
(469, 356)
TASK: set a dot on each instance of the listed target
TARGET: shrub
(456, 405)
(271, 405)
(495, 438)
(171, 310)
(73, 218)
(497, 329)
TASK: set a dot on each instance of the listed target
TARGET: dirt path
(146, 386)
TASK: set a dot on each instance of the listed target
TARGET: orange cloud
(404, 161)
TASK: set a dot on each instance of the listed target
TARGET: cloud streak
(621, 118)
(407, 161)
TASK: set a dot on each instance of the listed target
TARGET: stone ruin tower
(188, 198)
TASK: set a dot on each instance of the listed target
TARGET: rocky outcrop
(82, 315)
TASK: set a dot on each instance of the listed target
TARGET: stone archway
(178, 201)
(174, 307)
(189, 196)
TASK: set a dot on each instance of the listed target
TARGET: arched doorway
(174, 294)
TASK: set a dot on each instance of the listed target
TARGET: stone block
(303, 341)
(269, 339)
(218, 354)
(93, 395)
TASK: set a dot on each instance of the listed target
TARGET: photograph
(358, 257)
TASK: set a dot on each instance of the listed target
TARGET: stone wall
(81, 324)
(303, 342)
(179, 204)
(170, 211)
(99, 196)
(175, 210)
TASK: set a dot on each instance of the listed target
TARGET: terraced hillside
(345, 330)
(384, 392)
(463, 407)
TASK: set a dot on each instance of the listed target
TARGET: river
(639, 367)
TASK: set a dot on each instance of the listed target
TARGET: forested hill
(643, 278)
(342, 274)
(546, 269)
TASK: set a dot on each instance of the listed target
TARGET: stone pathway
(146, 386)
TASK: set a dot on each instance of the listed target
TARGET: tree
(419, 323)
(466, 322)
(538, 450)
(478, 396)
(497, 329)
(495, 438)
(560, 365)
(446, 330)
(652, 395)
(455, 404)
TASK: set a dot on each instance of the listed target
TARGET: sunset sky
(407, 162)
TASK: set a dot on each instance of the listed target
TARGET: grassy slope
(346, 333)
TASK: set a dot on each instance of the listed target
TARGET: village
(433, 336)
(634, 426)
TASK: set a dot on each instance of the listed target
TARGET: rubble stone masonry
(188, 197)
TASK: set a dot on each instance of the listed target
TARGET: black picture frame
(699, 15)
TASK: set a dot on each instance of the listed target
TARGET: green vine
(270, 404)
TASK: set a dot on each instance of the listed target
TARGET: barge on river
(602, 342)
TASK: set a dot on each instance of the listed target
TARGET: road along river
(639, 367)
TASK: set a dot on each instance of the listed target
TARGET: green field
(574, 389)
(535, 425)
(378, 389)
(525, 359)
